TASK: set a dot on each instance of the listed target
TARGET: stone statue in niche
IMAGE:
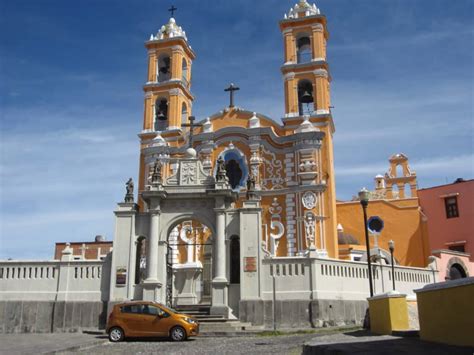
(221, 174)
(156, 177)
(251, 187)
(310, 229)
(129, 189)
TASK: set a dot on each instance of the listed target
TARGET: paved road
(13, 344)
(277, 345)
(364, 343)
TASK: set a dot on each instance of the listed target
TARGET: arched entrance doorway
(456, 271)
(189, 263)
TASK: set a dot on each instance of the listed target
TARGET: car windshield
(166, 309)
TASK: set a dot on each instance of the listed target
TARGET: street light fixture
(364, 201)
(391, 246)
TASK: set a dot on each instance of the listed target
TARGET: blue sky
(71, 101)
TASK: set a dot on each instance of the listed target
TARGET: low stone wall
(51, 316)
(303, 313)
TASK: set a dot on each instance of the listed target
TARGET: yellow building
(292, 163)
(399, 208)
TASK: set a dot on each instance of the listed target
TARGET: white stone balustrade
(75, 280)
(314, 278)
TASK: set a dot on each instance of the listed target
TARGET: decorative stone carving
(221, 175)
(188, 173)
(273, 171)
(307, 166)
(275, 224)
(307, 169)
(309, 200)
(255, 162)
(170, 30)
(251, 187)
(129, 193)
(156, 177)
(207, 126)
(305, 126)
(254, 121)
(310, 229)
(302, 8)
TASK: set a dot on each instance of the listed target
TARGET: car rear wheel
(178, 334)
(116, 334)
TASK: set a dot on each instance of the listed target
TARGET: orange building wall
(444, 230)
(91, 252)
(403, 224)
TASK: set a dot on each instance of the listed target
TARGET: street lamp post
(364, 201)
(391, 246)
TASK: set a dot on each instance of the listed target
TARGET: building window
(451, 204)
(459, 248)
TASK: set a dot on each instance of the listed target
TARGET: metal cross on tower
(191, 126)
(172, 9)
(231, 89)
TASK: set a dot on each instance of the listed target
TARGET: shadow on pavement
(387, 347)
(360, 333)
(154, 339)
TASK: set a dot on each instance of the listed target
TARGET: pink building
(449, 210)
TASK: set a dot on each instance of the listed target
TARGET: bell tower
(168, 99)
(305, 69)
(307, 98)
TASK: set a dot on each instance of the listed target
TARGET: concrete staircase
(214, 325)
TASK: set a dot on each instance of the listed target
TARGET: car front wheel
(116, 334)
(178, 334)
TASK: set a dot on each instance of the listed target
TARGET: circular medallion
(309, 200)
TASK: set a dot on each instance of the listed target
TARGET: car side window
(155, 311)
(133, 308)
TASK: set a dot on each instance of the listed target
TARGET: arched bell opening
(184, 71)
(164, 68)
(189, 263)
(305, 97)
(161, 114)
(184, 113)
(303, 49)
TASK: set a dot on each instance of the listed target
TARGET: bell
(306, 98)
(160, 116)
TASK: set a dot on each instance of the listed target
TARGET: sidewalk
(363, 342)
(34, 343)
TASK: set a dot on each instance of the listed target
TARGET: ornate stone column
(220, 245)
(152, 286)
(152, 257)
(219, 282)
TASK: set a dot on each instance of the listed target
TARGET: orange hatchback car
(148, 319)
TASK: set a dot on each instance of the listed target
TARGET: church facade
(235, 213)
(220, 198)
(184, 212)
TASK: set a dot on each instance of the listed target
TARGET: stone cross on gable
(83, 249)
(191, 126)
(231, 89)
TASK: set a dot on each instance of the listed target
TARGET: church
(217, 196)
(235, 213)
